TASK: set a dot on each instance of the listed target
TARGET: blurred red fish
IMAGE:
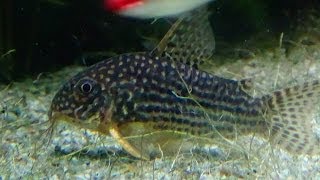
(152, 8)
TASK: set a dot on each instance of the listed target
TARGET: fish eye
(86, 87)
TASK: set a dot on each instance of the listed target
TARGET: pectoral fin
(126, 145)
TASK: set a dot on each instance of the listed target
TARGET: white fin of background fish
(161, 8)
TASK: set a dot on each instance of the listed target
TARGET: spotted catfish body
(152, 102)
(142, 87)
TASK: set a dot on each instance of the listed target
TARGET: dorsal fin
(190, 39)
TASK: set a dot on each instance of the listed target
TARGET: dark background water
(46, 35)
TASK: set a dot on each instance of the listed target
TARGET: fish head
(80, 101)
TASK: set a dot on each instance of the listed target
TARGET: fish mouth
(91, 122)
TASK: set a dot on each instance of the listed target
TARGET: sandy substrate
(26, 152)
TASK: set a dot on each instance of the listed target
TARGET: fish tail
(292, 112)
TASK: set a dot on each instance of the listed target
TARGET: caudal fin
(292, 113)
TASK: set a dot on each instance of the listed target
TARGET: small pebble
(8, 116)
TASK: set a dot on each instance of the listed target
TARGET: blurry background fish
(152, 8)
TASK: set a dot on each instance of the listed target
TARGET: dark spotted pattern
(146, 88)
(82, 102)
(170, 93)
